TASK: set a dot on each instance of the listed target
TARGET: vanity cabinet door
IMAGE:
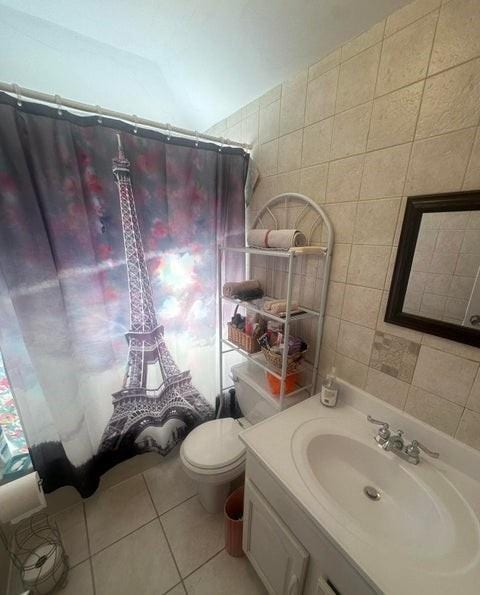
(278, 557)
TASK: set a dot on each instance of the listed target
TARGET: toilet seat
(214, 447)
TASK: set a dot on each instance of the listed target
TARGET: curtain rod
(61, 102)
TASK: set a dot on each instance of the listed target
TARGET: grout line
(165, 534)
(204, 563)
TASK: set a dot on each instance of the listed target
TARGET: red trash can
(234, 523)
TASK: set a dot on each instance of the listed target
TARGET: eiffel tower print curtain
(107, 284)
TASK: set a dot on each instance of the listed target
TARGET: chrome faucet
(394, 442)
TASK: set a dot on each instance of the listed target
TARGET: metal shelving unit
(292, 255)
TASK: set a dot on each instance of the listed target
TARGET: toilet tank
(254, 400)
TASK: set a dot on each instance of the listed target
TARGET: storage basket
(247, 342)
(275, 359)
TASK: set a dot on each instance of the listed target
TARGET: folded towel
(231, 289)
(279, 306)
(276, 238)
(249, 294)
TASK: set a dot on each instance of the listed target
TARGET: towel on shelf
(247, 295)
(232, 288)
(279, 306)
(276, 238)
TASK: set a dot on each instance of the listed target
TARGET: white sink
(420, 516)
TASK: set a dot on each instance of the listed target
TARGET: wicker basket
(275, 360)
(241, 339)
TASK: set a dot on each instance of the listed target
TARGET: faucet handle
(415, 446)
(383, 431)
(378, 422)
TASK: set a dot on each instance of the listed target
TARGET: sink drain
(372, 493)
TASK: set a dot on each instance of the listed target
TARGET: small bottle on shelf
(329, 392)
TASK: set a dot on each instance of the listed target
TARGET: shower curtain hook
(99, 114)
(169, 131)
(17, 91)
(135, 123)
(196, 138)
(58, 101)
(222, 142)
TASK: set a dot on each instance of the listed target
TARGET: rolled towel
(279, 306)
(249, 294)
(276, 238)
(233, 288)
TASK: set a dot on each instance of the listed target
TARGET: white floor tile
(71, 523)
(168, 483)
(140, 563)
(79, 580)
(115, 512)
(225, 575)
(194, 534)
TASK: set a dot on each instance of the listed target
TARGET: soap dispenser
(329, 392)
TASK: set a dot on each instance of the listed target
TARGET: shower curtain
(108, 240)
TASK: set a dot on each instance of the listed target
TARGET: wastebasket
(234, 523)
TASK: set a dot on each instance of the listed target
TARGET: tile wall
(392, 113)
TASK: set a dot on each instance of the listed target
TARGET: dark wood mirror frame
(415, 208)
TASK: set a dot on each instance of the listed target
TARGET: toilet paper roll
(21, 498)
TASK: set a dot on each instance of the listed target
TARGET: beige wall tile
(376, 221)
(451, 101)
(350, 131)
(269, 122)
(385, 172)
(270, 96)
(356, 83)
(236, 117)
(268, 158)
(361, 305)
(405, 55)
(363, 41)
(433, 410)
(342, 217)
(330, 332)
(394, 117)
(313, 182)
(290, 151)
(351, 370)
(292, 110)
(328, 62)
(457, 38)
(335, 298)
(469, 429)
(409, 14)
(344, 177)
(430, 374)
(340, 260)
(387, 388)
(472, 177)
(253, 107)
(321, 94)
(438, 164)
(287, 182)
(316, 142)
(250, 128)
(368, 266)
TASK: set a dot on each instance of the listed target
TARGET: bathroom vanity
(331, 509)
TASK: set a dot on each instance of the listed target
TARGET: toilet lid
(214, 444)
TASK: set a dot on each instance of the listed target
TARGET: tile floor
(149, 535)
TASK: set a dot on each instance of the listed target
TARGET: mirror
(436, 280)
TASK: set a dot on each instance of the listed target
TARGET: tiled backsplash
(394, 112)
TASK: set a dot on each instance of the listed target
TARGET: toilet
(212, 454)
